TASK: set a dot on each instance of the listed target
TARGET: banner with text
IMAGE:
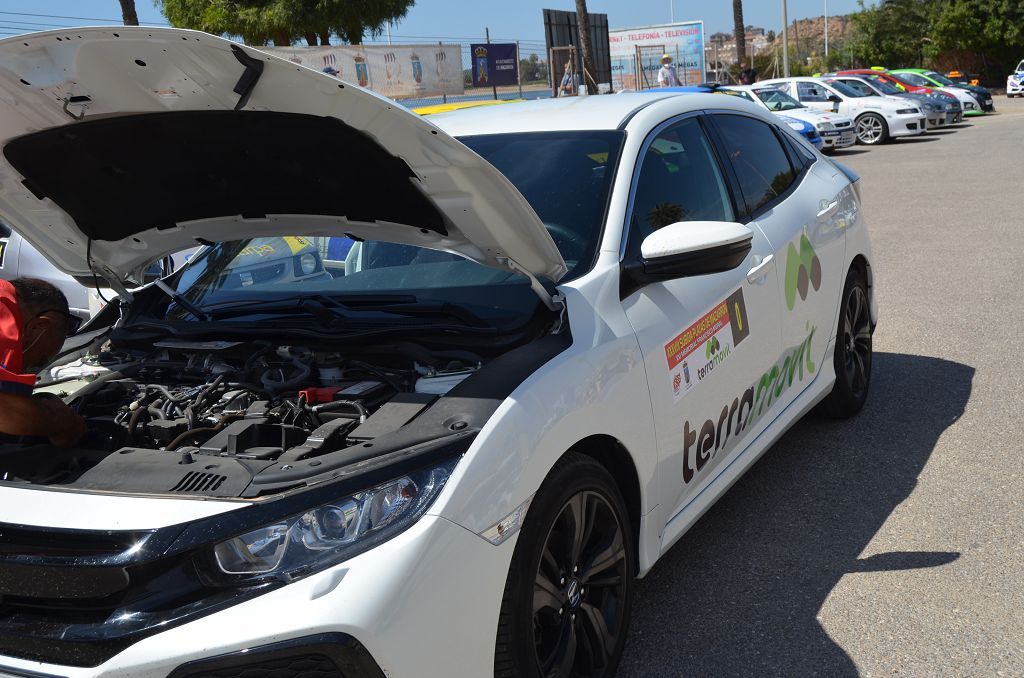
(396, 71)
(636, 54)
(495, 64)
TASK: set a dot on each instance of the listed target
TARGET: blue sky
(456, 20)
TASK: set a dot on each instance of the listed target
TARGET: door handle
(761, 269)
(828, 208)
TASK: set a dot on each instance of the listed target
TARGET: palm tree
(583, 23)
(131, 18)
(740, 30)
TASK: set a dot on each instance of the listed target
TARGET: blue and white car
(1015, 82)
(805, 129)
(836, 131)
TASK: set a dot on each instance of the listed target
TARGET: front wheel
(852, 359)
(871, 129)
(567, 599)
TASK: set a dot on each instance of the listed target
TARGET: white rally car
(836, 131)
(1015, 82)
(562, 330)
(878, 118)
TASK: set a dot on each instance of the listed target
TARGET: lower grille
(327, 655)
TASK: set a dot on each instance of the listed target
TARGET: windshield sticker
(699, 349)
(703, 444)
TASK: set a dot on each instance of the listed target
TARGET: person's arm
(22, 415)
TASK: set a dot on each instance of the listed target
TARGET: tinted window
(914, 79)
(5, 231)
(761, 164)
(680, 180)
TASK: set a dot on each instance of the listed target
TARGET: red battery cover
(321, 394)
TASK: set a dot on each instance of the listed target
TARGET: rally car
(1015, 82)
(938, 111)
(562, 330)
(922, 76)
(878, 118)
(962, 100)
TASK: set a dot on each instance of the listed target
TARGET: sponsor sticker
(699, 349)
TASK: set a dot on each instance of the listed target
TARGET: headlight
(907, 111)
(326, 535)
(930, 107)
(308, 263)
(825, 126)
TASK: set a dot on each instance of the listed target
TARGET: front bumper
(906, 125)
(838, 138)
(422, 604)
(1013, 90)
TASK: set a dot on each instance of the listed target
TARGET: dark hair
(36, 296)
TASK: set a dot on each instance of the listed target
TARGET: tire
(872, 130)
(852, 358)
(585, 634)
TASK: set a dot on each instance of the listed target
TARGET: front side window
(679, 180)
(856, 85)
(761, 164)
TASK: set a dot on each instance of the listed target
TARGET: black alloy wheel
(853, 351)
(567, 599)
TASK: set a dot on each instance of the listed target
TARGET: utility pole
(671, 11)
(785, 41)
(826, 34)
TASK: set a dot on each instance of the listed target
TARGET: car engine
(227, 410)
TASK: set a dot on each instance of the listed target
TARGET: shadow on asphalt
(916, 140)
(848, 152)
(942, 131)
(739, 594)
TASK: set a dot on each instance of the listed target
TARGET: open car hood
(124, 144)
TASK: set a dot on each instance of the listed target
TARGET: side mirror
(834, 98)
(685, 249)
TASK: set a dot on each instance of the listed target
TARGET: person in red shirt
(34, 320)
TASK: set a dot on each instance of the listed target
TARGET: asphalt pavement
(892, 543)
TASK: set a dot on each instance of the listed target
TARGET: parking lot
(892, 543)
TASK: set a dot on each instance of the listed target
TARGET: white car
(18, 259)
(559, 341)
(938, 112)
(836, 131)
(1015, 82)
(878, 118)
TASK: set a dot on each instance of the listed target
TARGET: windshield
(777, 100)
(939, 77)
(565, 176)
(884, 85)
(845, 90)
(855, 84)
(1020, 66)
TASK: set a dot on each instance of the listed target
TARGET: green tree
(284, 21)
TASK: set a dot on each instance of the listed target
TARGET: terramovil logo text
(718, 332)
(803, 268)
(702, 445)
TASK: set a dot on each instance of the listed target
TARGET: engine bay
(207, 417)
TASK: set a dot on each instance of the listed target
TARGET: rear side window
(5, 231)
(811, 92)
(758, 158)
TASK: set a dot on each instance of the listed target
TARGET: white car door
(705, 339)
(802, 204)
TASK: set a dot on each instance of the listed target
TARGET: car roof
(596, 112)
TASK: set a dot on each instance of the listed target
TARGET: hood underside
(122, 146)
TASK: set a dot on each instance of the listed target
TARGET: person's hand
(68, 428)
